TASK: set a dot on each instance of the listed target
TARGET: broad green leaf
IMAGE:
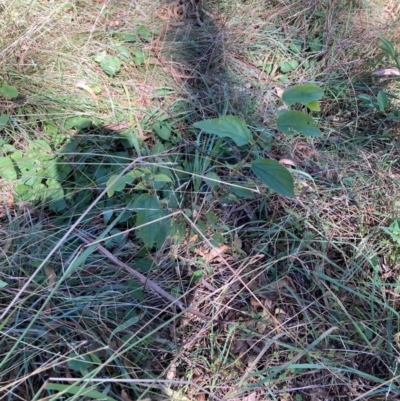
(388, 47)
(136, 289)
(7, 169)
(78, 122)
(3, 120)
(163, 130)
(314, 105)
(77, 390)
(382, 100)
(303, 94)
(162, 178)
(288, 66)
(58, 205)
(110, 65)
(139, 57)
(290, 121)
(3, 284)
(273, 174)
(242, 192)
(213, 180)
(119, 184)
(124, 53)
(164, 230)
(143, 32)
(296, 46)
(54, 189)
(231, 127)
(9, 92)
(148, 209)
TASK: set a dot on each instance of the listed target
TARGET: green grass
(307, 289)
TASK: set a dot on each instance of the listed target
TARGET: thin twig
(145, 281)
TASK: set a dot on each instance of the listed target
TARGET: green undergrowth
(237, 158)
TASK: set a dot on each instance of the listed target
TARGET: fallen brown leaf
(287, 162)
(387, 72)
(125, 396)
(51, 277)
(83, 85)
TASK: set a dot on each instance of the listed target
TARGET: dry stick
(146, 281)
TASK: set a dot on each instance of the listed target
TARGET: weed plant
(199, 200)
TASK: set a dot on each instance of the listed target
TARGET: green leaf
(139, 57)
(148, 209)
(110, 65)
(119, 184)
(123, 326)
(80, 363)
(77, 390)
(314, 105)
(213, 181)
(7, 169)
(303, 94)
(273, 174)
(163, 130)
(123, 52)
(162, 178)
(242, 192)
(143, 32)
(3, 120)
(388, 47)
(78, 122)
(227, 127)
(288, 66)
(291, 120)
(9, 92)
(382, 100)
(3, 284)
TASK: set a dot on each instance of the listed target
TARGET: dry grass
(302, 299)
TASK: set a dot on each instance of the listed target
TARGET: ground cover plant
(199, 200)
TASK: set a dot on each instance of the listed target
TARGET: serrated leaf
(231, 127)
(78, 122)
(148, 209)
(9, 92)
(110, 65)
(163, 130)
(274, 175)
(303, 94)
(119, 184)
(7, 169)
(3, 120)
(295, 121)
